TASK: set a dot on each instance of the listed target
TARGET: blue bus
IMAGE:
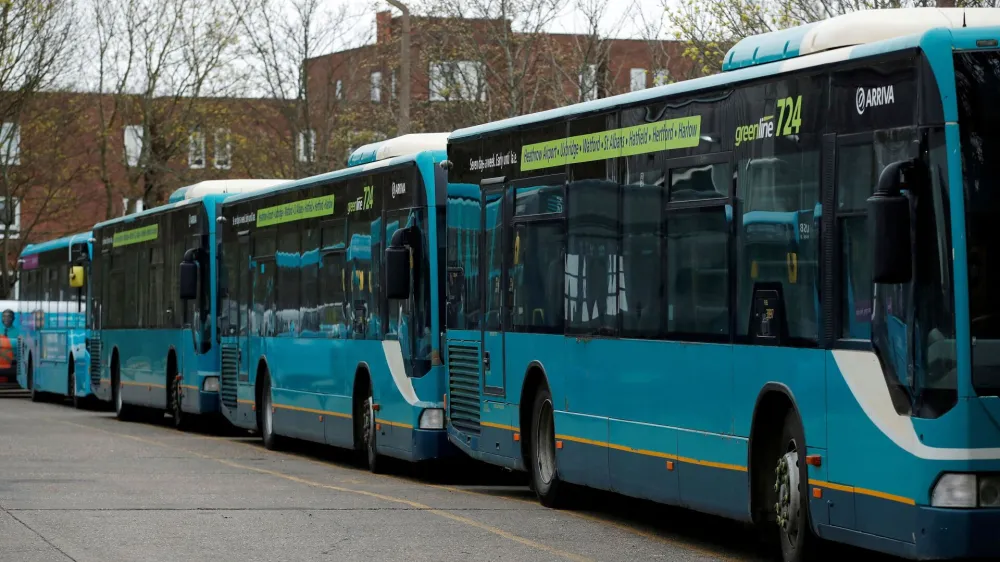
(331, 319)
(765, 294)
(52, 346)
(155, 349)
(10, 344)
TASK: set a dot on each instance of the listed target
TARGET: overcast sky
(622, 18)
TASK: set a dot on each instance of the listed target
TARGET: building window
(637, 79)
(588, 83)
(10, 144)
(126, 201)
(196, 150)
(661, 77)
(133, 144)
(307, 145)
(457, 80)
(223, 150)
(11, 226)
(338, 89)
(376, 87)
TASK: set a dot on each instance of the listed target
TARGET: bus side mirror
(76, 277)
(889, 216)
(397, 272)
(189, 280)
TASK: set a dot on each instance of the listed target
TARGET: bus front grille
(463, 386)
(230, 372)
(94, 348)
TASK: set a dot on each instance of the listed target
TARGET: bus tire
(123, 411)
(369, 431)
(272, 441)
(550, 490)
(791, 509)
(35, 395)
(182, 421)
(71, 385)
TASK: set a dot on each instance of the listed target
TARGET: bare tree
(157, 62)
(582, 59)
(311, 116)
(709, 29)
(503, 44)
(35, 37)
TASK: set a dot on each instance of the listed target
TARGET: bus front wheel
(791, 509)
(544, 471)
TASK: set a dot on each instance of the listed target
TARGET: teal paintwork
(63, 333)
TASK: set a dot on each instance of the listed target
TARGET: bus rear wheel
(791, 509)
(71, 384)
(35, 395)
(123, 411)
(272, 441)
(545, 480)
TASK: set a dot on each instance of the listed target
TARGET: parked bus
(765, 294)
(10, 343)
(153, 350)
(53, 289)
(329, 334)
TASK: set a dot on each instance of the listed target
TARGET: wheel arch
(362, 374)
(535, 378)
(774, 402)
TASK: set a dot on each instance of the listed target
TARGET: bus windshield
(977, 76)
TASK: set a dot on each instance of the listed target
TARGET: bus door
(494, 275)
(244, 282)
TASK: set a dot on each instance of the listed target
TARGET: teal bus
(154, 349)
(765, 294)
(331, 323)
(53, 328)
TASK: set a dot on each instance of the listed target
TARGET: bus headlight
(954, 490)
(989, 491)
(432, 418)
(967, 490)
(211, 384)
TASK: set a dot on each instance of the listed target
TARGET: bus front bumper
(957, 533)
(431, 444)
(200, 402)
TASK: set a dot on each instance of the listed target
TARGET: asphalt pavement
(80, 485)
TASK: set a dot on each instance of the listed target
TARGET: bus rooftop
(399, 146)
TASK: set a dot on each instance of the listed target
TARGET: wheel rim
(545, 455)
(787, 487)
(118, 397)
(177, 402)
(267, 413)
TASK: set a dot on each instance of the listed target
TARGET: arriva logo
(873, 97)
(398, 188)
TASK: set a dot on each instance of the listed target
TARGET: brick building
(470, 71)
(71, 159)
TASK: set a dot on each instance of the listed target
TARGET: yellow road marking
(416, 505)
(677, 543)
